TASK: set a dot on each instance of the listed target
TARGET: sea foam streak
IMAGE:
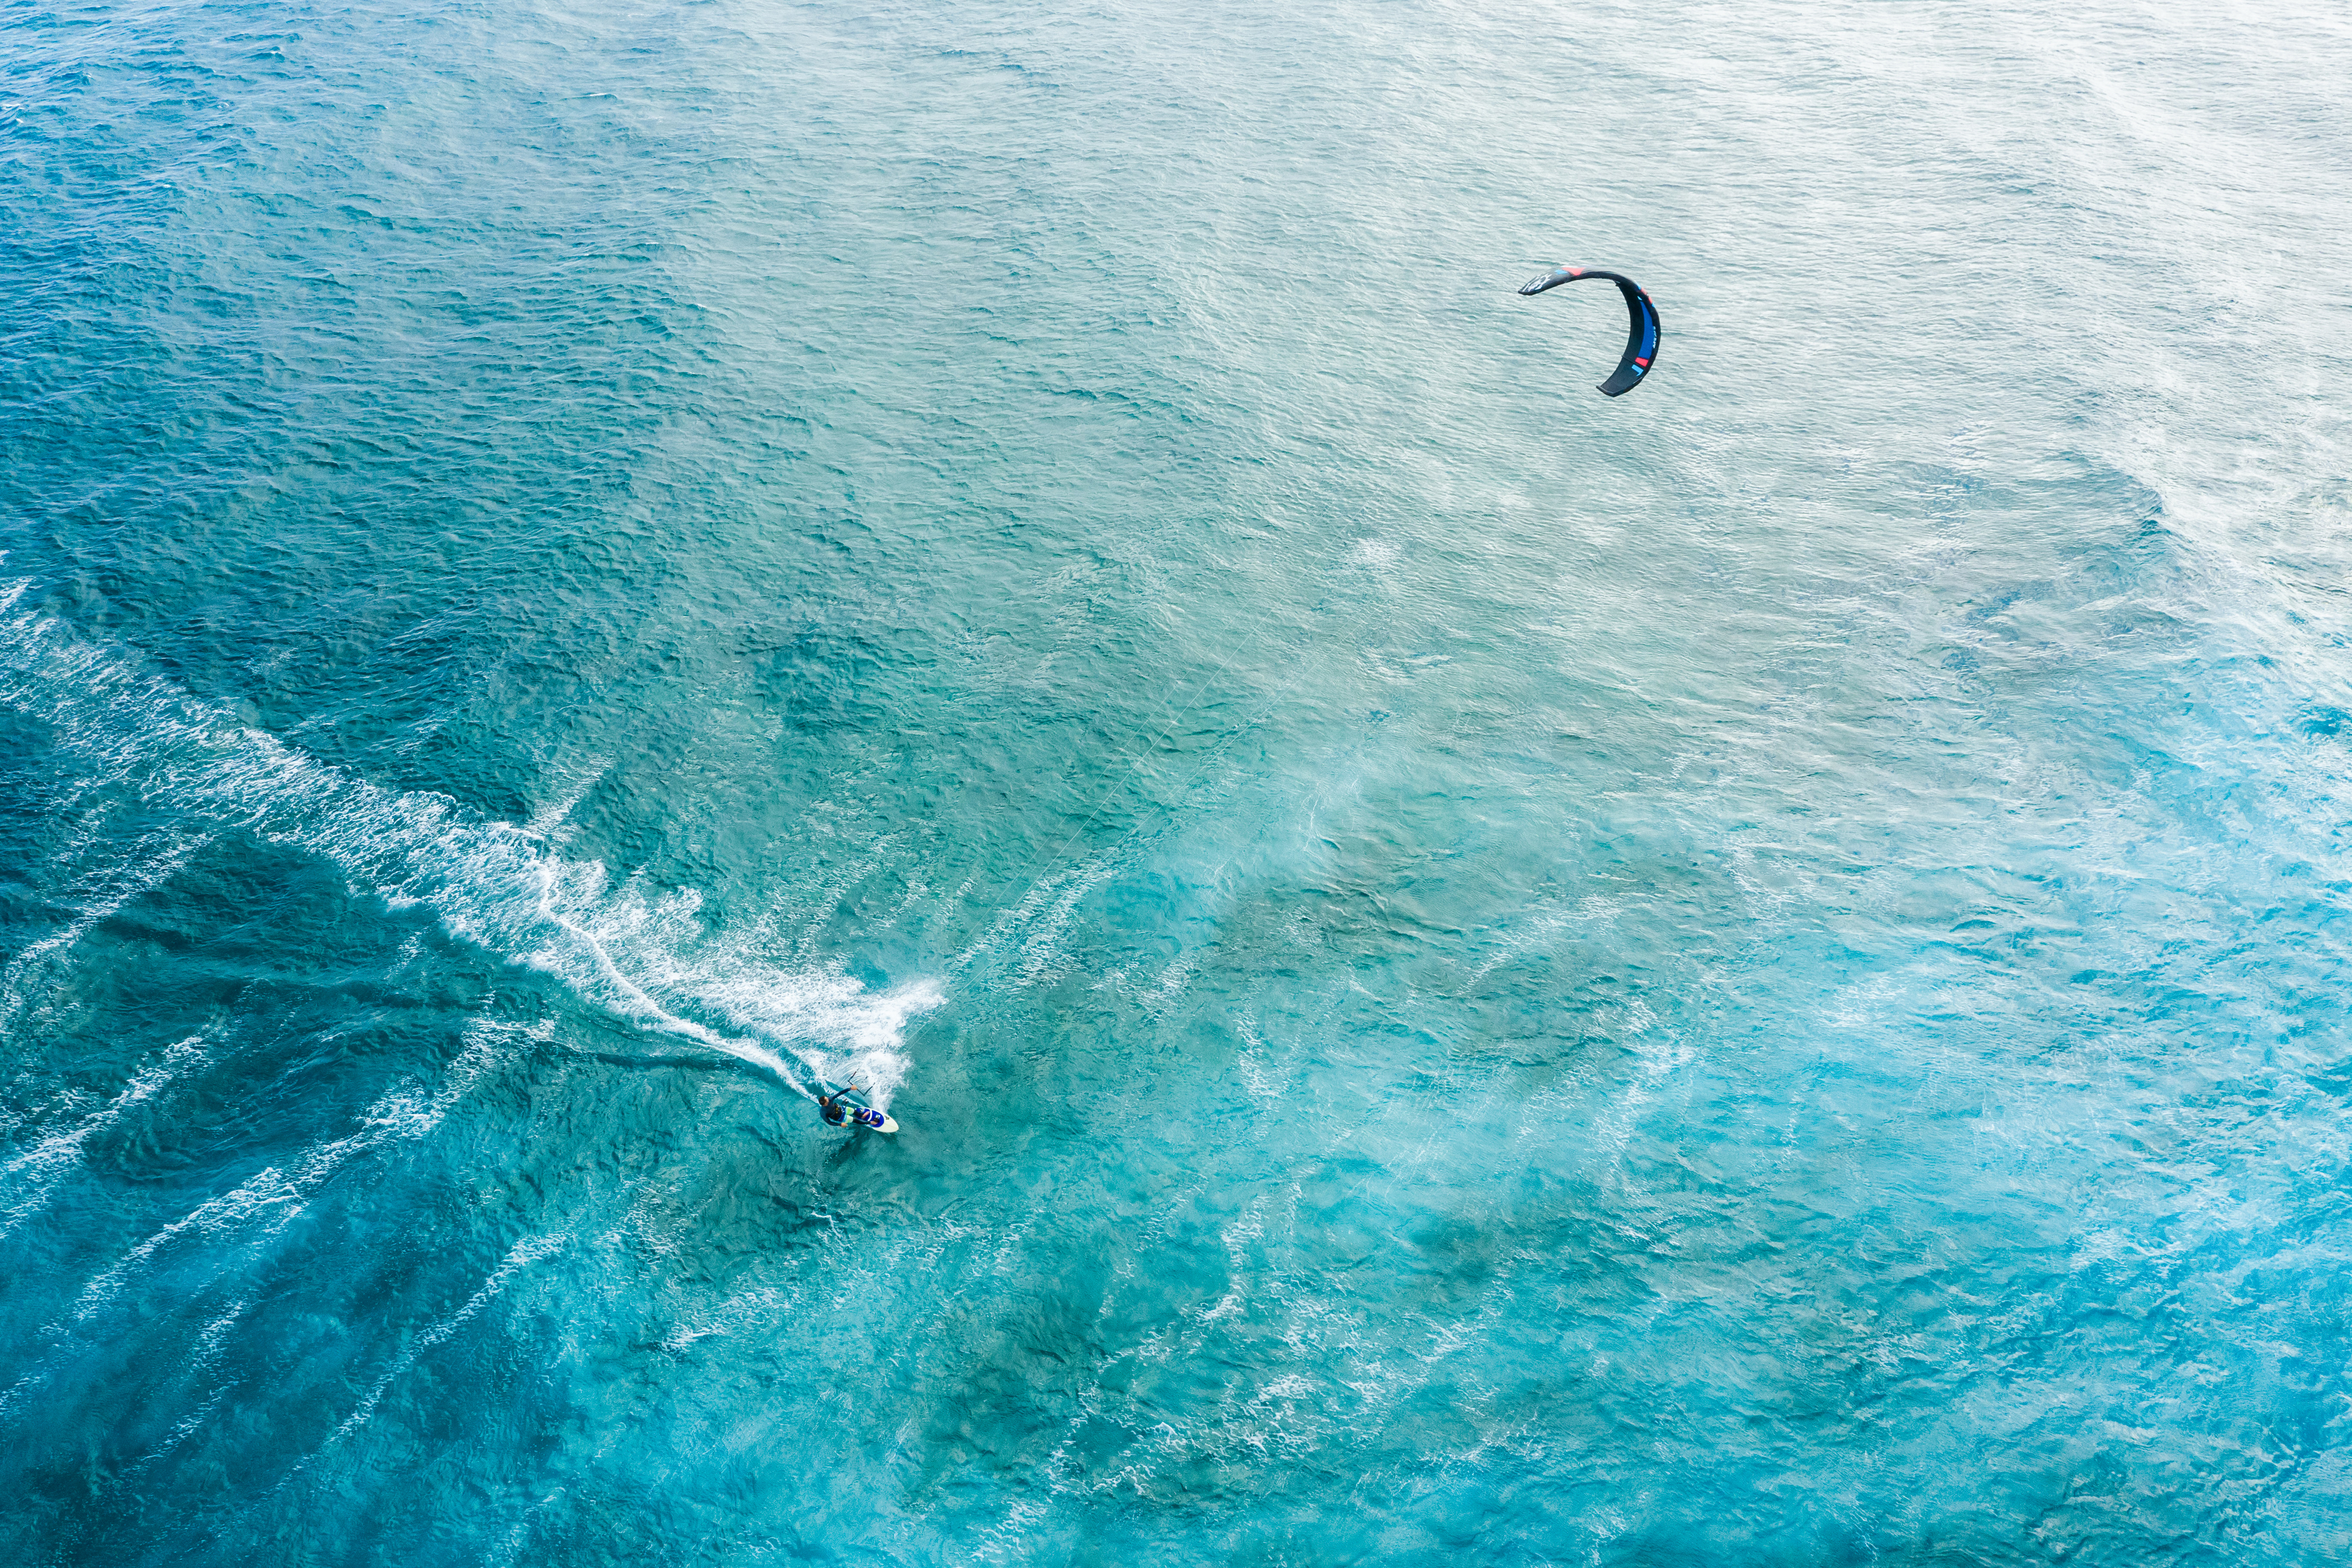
(493, 883)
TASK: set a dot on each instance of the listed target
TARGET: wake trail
(494, 884)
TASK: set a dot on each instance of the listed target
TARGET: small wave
(521, 1255)
(267, 1202)
(95, 896)
(30, 1177)
(1043, 917)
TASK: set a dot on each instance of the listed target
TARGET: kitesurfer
(835, 1109)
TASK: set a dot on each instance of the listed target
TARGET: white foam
(492, 883)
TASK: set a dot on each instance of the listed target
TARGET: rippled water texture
(1471, 972)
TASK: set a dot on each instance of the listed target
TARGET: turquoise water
(1470, 972)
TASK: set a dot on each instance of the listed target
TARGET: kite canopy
(1642, 332)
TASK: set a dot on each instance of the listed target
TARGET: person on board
(836, 1110)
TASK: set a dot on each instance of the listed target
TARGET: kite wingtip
(1552, 279)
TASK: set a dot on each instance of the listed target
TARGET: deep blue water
(1470, 972)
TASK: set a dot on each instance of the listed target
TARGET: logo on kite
(1643, 331)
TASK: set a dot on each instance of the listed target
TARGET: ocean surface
(1470, 972)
